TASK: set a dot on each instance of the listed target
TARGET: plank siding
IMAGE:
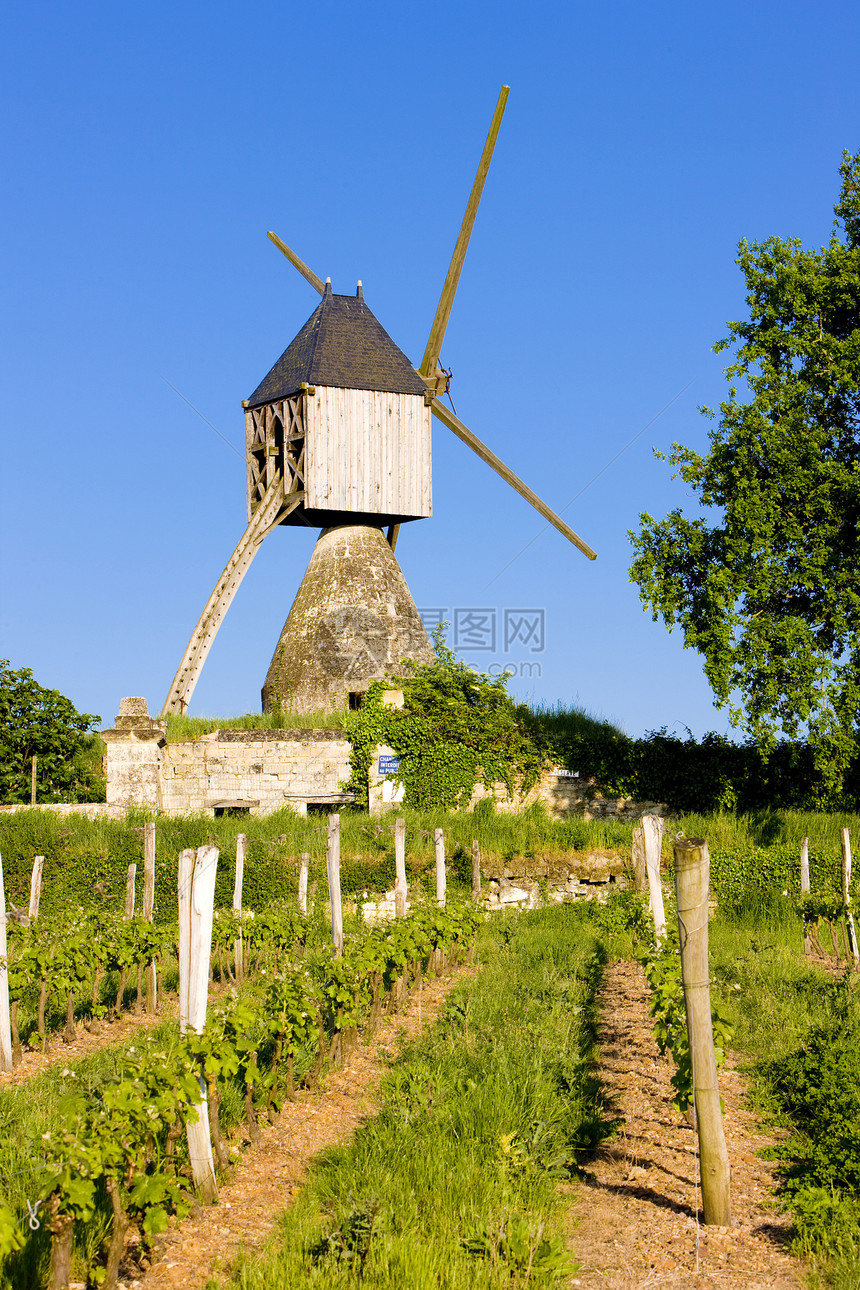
(368, 452)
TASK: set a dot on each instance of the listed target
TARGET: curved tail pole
(272, 509)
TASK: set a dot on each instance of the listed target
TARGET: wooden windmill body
(338, 438)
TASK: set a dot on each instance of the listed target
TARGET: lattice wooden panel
(275, 441)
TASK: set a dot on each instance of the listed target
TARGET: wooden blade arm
(443, 313)
(463, 432)
(303, 269)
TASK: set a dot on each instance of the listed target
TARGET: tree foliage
(41, 723)
(457, 727)
(766, 583)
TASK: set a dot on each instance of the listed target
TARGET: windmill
(338, 437)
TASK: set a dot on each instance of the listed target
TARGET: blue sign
(388, 765)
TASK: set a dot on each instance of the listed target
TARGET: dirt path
(34, 1062)
(634, 1216)
(269, 1175)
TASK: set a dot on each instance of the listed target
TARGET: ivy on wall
(457, 728)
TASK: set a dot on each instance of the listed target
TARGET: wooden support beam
(443, 311)
(196, 891)
(652, 830)
(130, 893)
(5, 1013)
(463, 432)
(149, 909)
(476, 871)
(238, 944)
(692, 872)
(804, 889)
(439, 847)
(36, 886)
(846, 895)
(316, 283)
(273, 508)
(304, 866)
(392, 535)
(637, 855)
(332, 860)
(400, 889)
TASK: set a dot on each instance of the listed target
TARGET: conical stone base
(352, 622)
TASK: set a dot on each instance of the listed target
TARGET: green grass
(183, 727)
(455, 1183)
(727, 831)
(86, 860)
(778, 1002)
(558, 722)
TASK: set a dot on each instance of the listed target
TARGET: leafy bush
(818, 1087)
(457, 727)
(710, 774)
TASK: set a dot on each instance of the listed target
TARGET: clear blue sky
(148, 148)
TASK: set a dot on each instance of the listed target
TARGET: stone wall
(261, 770)
(258, 771)
(566, 796)
(528, 883)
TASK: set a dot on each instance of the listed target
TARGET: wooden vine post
(400, 888)
(197, 872)
(130, 893)
(238, 947)
(439, 848)
(148, 910)
(304, 866)
(332, 862)
(637, 855)
(692, 874)
(476, 871)
(652, 830)
(846, 895)
(5, 1018)
(804, 890)
(36, 886)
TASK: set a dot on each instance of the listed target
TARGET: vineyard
(460, 1178)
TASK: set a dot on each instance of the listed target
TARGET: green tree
(765, 584)
(35, 722)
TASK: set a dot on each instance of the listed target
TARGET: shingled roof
(344, 345)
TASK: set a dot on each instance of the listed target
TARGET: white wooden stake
(439, 846)
(238, 947)
(846, 894)
(36, 886)
(804, 887)
(400, 889)
(332, 861)
(197, 873)
(652, 828)
(476, 871)
(130, 891)
(304, 865)
(637, 855)
(5, 1023)
(149, 909)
